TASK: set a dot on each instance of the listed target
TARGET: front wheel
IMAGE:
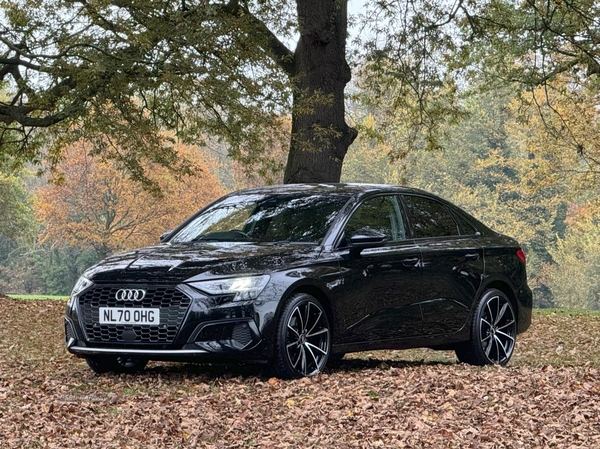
(303, 341)
(493, 331)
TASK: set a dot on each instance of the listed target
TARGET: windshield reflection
(258, 218)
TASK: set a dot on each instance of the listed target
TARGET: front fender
(323, 281)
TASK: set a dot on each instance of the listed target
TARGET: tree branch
(20, 114)
(458, 6)
(17, 61)
(276, 49)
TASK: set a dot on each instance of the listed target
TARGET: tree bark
(320, 135)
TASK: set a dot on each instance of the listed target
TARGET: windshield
(298, 217)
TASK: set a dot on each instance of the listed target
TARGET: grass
(565, 312)
(52, 297)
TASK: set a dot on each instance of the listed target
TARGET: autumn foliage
(548, 396)
(94, 204)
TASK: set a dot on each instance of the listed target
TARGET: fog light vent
(213, 332)
(233, 335)
(241, 334)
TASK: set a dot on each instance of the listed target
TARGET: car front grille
(173, 306)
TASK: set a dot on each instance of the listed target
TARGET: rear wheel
(493, 331)
(303, 340)
(121, 364)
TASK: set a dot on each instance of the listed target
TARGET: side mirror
(367, 238)
(165, 235)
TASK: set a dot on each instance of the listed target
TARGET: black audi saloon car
(297, 275)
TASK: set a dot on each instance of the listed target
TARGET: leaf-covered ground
(548, 396)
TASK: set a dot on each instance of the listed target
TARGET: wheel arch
(319, 294)
(316, 292)
(505, 288)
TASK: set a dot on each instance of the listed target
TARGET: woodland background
(120, 119)
(506, 172)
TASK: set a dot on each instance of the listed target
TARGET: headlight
(81, 284)
(248, 287)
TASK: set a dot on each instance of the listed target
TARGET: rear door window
(429, 218)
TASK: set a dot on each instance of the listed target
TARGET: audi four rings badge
(129, 294)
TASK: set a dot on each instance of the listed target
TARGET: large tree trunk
(320, 135)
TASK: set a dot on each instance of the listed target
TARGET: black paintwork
(408, 293)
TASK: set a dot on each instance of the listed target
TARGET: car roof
(358, 190)
(341, 188)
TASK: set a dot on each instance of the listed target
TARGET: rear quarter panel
(504, 270)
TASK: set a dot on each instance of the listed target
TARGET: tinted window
(382, 214)
(429, 218)
(265, 218)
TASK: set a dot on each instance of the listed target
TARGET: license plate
(128, 315)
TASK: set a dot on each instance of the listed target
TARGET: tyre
(303, 340)
(493, 331)
(127, 365)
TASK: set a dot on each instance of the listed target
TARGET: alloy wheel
(498, 329)
(307, 338)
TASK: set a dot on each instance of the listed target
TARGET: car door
(452, 263)
(381, 285)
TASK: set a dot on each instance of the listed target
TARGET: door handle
(472, 256)
(410, 261)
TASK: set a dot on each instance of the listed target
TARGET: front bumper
(208, 329)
